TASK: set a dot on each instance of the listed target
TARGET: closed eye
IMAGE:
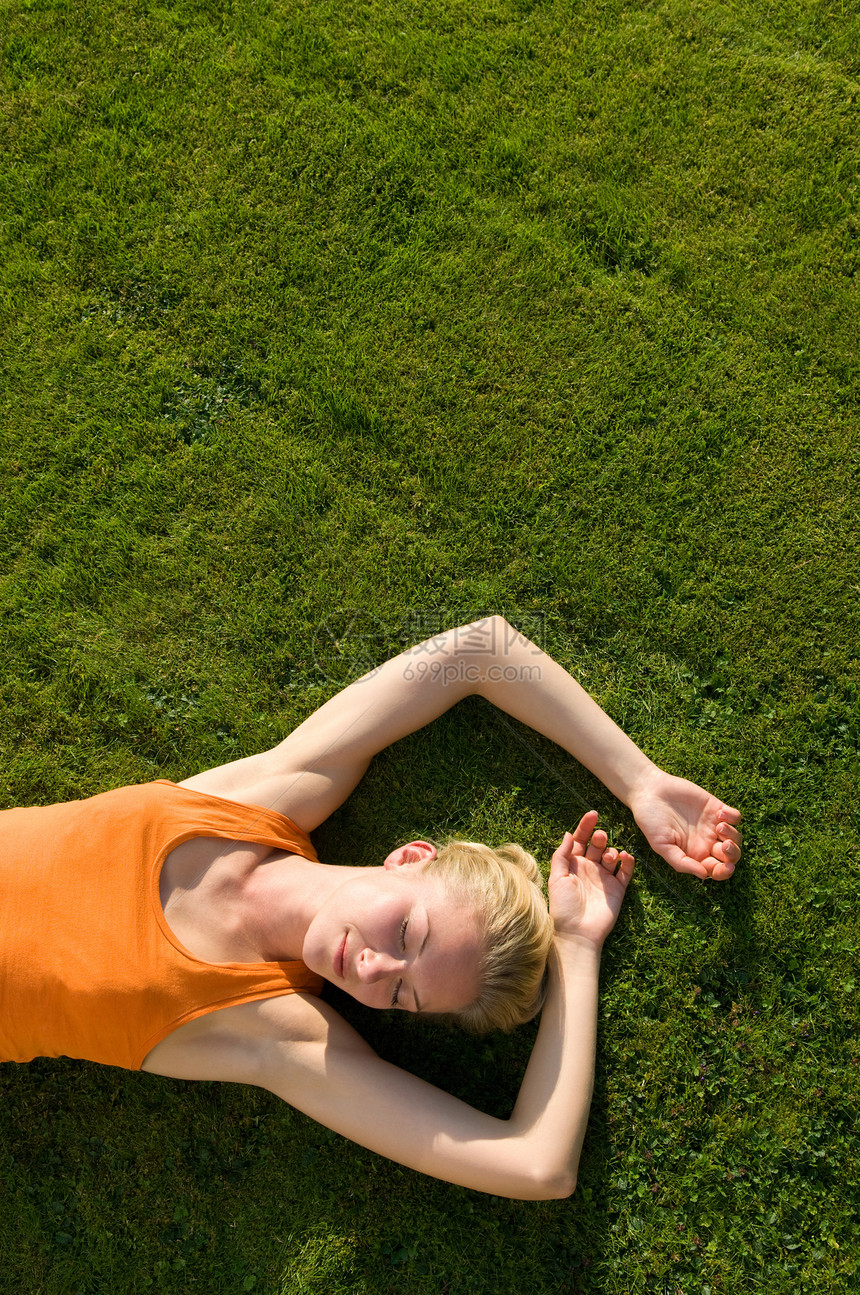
(395, 997)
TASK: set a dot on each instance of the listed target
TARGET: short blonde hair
(505, 888)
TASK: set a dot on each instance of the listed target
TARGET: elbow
(559, 1187)
(481, 647)
(541, 1172)
(549, 1185)
(493, 632)
(501, 630)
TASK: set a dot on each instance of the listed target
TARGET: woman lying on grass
(187, 929)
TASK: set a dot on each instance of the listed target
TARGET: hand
(692, 830)
(587, 883)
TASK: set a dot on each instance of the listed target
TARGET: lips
(340, 958)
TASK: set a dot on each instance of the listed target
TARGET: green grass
(423, 310)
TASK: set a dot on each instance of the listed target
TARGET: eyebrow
(417, 956)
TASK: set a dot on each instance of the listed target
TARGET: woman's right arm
(312, 772)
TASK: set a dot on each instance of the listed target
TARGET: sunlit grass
(424, 311)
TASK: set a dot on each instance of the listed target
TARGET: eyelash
(403, 927)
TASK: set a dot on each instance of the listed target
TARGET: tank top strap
(234, 819)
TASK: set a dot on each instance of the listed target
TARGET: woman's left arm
(535, 1154)
(301, 1049)
(307, 1054)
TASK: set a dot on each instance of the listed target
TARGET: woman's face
(393, 937)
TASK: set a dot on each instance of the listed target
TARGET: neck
(282, 899)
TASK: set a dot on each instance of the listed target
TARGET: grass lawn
(329, 324)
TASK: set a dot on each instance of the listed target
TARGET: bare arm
(532, 1156)
(305, 1053)
(691, 829)
(313, 771)
(535, 1154)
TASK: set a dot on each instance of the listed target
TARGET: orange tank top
(89, 966)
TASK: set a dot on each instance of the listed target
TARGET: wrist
(578, 946)
(642, 784)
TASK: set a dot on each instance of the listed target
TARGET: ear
(406, 856)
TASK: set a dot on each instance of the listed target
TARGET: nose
(373, 966)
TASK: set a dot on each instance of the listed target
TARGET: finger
(597, 846)
(684, 863)
(560, 864)
(727, 852)
(609, 860)
(730, 815)
(728, 833)
(718, 869)
(583, 830)
(624, 867)
(613, 860)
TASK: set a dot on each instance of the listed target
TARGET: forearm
(313, 771)
(339, 1081)
(551, 1112)
(488, 659)
(527, 684)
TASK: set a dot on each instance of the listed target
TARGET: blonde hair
(506, 890)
